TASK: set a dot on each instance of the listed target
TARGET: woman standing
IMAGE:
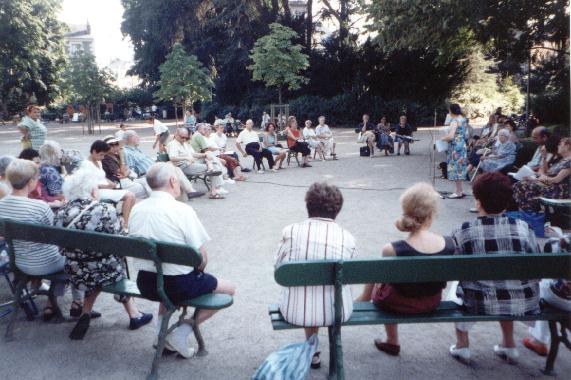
(457, 153)
(419, 205)
(33, 131)
(295, 141)
(90, 270)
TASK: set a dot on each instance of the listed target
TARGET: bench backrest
(425, 269)
(156, 251)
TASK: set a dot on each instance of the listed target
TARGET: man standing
(194, 163)
(161, 134)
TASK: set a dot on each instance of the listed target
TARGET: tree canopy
(31, 53)
(278, 62)
(184, 79)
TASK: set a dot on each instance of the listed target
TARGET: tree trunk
(280, 95)
(176, 115)
(287, 11)
(309, 25)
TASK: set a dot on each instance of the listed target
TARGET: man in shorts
(161, 217)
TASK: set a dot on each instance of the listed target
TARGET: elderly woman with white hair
(503, 154)
(51, 179)
(91, 270)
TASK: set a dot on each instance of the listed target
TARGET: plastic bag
(290, 362)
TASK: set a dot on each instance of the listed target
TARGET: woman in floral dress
(457, 153)
(90, 270)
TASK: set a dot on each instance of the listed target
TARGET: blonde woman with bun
(419, 204)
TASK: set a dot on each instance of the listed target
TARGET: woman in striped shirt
(35, 259)
(316, 238)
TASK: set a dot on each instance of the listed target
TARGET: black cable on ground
(340, 187)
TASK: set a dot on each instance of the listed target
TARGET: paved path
(245, 230)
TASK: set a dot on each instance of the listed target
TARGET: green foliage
(84, 82)
(277, 61)
(31, 53)
(183, 78)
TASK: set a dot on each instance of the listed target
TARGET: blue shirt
(136, 160)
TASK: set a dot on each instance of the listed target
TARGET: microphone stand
(433, 169)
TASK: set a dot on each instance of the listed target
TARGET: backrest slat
(426, 269)
(178, 254)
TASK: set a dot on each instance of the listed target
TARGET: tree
(277, 61)
(86, 84)
(31, 53)
(184, 79)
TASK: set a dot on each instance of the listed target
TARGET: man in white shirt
(161, 217)
(325, 136)
(192, 163)
(251, 141)
(161, 134)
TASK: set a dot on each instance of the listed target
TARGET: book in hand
(441, 145)
(523, 172)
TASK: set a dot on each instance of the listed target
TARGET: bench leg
(332, 354)
(552, 350)
(9, 334)
(198, 336)
(205, 180)
(154, 375)
(58, 316)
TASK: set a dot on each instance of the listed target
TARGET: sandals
(391, 349)
(456, 196)
(316, 361)
(215, 196)
(213, 173)
(80, 328)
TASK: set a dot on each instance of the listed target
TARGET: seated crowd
(150, 192)
(384, 135)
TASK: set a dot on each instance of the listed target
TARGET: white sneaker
(274, 170)
(509, 354)
(460, 354)
(229, 181)
(260, 171)
(222, 191)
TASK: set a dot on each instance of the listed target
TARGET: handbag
(290, 362)
(364, 151)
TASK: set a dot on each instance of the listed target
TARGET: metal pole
(528, 80)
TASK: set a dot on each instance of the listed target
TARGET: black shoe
(246, 170)
(80, 328)
(135, 323)
(76, 312)
(195, 194)
(213, 173)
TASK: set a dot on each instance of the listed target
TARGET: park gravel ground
(245, 229)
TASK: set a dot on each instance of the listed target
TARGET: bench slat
(178, 254)
(424, 269)
(207, 301)
(365, 313)
(69, 238)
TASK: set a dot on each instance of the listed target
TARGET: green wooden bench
(422, 269)
(155, 251)
(164, 157)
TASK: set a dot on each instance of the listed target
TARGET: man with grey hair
(5, 188)
(191, 162)
(161, 217)
(252, 146)
(139, 162)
